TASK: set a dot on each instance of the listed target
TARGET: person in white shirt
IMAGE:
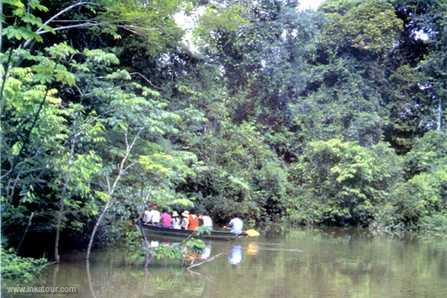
(155, 215)
(147, 216)
(236, 225)
(176, 221)
(185, 220)
(206, 221)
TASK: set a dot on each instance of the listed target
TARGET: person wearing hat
(176, 221)
(185, 220)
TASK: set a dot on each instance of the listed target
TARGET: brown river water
(301, 263)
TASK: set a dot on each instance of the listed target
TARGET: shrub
(435, 225)
(14, 267)
(345, 182)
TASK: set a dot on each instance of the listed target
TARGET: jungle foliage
(335, 116)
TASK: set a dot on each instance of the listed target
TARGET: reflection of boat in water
(151, 230)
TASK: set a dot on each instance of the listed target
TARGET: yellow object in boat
(252, 233)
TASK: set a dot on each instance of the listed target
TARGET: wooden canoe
(152, 231)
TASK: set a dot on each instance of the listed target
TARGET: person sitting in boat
(206, 220)
(185, 220)
(146, 216)
(176, 221)
(193, 222)
(154, 215)
(166, 220)
(236, 225)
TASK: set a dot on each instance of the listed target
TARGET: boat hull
(152, 231)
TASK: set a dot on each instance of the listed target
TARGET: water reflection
(235, 256)
(153, 244)
(252, 249)
(303, 264)
(206, 253)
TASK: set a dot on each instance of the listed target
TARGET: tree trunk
(30, 219)
(111, 188)
(58, 230)
(95, 228)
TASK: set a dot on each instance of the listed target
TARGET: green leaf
(103, 196)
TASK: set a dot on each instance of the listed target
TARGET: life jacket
(193, 223)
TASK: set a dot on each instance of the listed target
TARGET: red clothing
(193, 223)
(166, 220)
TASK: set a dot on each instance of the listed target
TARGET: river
(302, 263)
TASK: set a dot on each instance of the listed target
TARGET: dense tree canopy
(335, 116)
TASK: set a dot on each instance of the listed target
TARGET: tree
(348, 183)
(262, 54)
(360, 27)
(131, 114)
